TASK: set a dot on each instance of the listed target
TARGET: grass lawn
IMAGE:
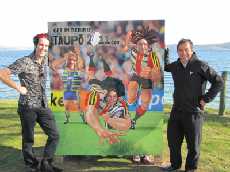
(215, 148)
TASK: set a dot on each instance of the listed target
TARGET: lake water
(219, 59)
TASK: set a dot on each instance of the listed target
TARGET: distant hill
(4, 48)
(223, 46)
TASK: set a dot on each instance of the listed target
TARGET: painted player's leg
(83, 104)
(67, 111)
(132, 97)
(146, 95)
(70, 103)
(67, 116)
(118, 123)
(107, 69)
(70, 106)
(92, 68)
(132, 91)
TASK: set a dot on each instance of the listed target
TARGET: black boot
(45, 166)
(55, 169)
(170, 168)
(34, 167)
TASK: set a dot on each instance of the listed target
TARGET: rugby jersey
(140, 61)
(72, 80)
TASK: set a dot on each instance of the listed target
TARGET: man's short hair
(183, 40)
(38, 36)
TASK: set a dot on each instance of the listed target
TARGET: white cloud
(202, 21)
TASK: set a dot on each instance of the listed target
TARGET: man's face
(42, 47)
(185, 52)
(112, 97)
(142, 46)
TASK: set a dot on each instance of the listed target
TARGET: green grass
(215, 148)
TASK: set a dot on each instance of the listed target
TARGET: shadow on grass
(11, 159)
(165, 118)
(6, 116)
(8, 108)
(105, 164)
(17, 133)
(224, 120)
(10, 126)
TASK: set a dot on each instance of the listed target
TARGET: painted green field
(76, 135)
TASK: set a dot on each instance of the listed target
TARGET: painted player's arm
(5, 78)
(81, 63)
(156, 68)
(127, 43)
(117, 123)
(80, 59)
(155, 75)
(151, 73)
(93, 120)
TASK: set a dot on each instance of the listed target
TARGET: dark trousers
(189, 125)
(45, 118)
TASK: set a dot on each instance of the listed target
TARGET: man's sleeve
(17, 67)
(216, 81)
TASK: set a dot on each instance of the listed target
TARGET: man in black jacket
(190, 76)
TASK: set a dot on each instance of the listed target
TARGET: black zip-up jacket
(190, 83)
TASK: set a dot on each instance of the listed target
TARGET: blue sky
(205, 22)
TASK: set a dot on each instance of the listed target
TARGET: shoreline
(167, 107)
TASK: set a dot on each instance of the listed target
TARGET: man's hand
(22, 90)
(202, 104)
(166, 57)
(166, 53)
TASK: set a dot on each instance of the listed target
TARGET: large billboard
(107, 86)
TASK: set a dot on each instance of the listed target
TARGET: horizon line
(31, 47)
